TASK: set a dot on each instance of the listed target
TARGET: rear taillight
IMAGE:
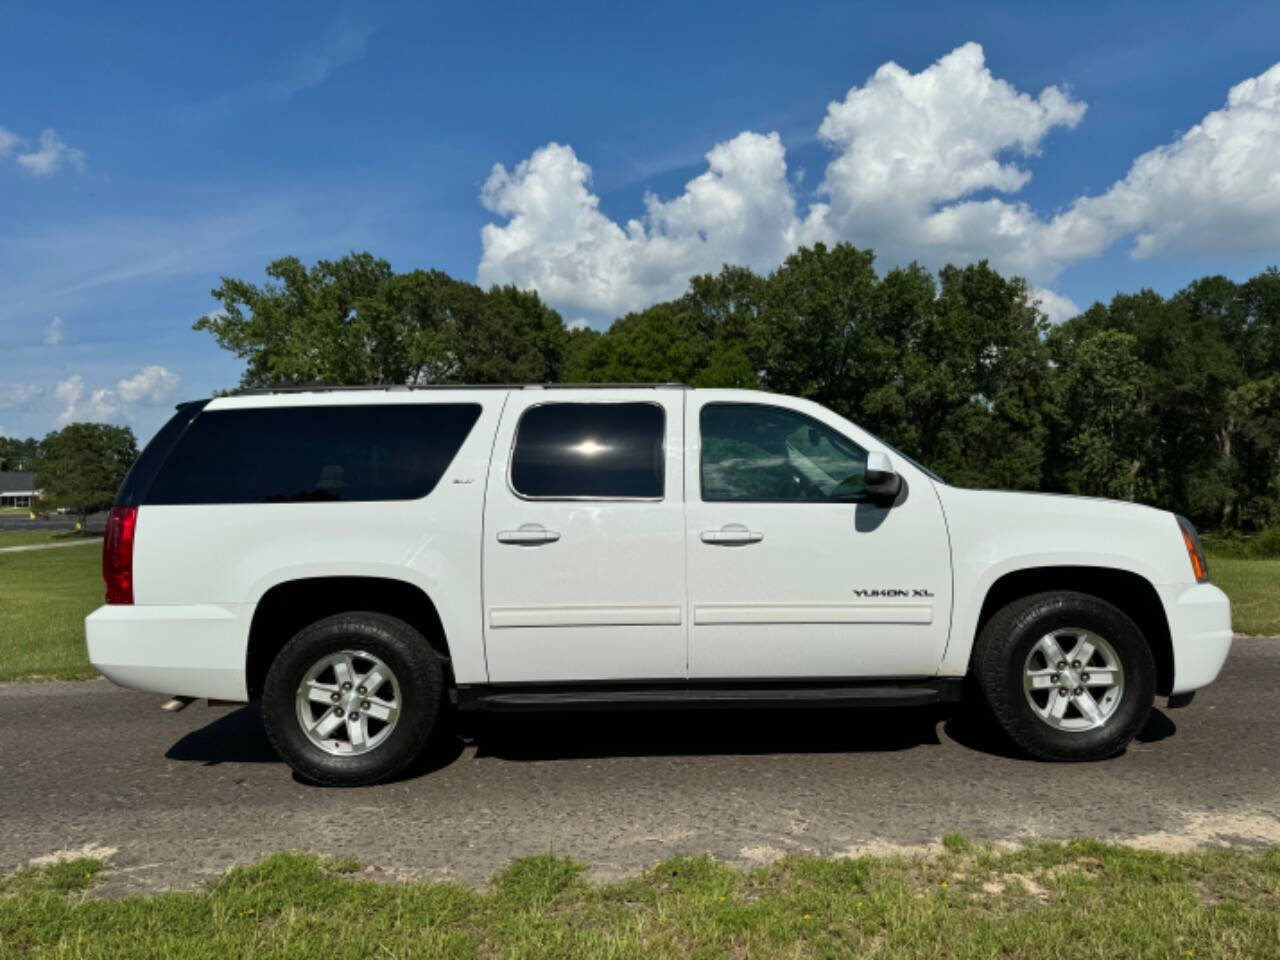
(117, 554)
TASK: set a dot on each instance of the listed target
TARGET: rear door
(793, 572)
(584, 537)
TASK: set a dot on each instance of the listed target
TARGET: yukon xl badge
(913, 592)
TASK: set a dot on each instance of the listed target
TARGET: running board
(528, 697)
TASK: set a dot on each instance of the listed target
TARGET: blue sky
(1092, 150)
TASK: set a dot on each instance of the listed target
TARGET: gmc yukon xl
(360, 559)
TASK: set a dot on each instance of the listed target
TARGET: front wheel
(1067, 676)
(352, 699)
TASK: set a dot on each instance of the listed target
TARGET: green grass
(44, 597)
(1254, 589)
(21, 538)
(1082, 899)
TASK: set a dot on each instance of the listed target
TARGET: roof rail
(331, 388)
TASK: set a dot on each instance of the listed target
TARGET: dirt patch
(1212, 830)
(90, 851)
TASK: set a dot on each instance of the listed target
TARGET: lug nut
(1084, 677)
(334, 697)
(1054, 679)
(1062, 691)
(354, 716)
(364, 704)
(1075, 664)
(1079, 691)
(337, 711)
(1062, 664)
(347, 685)
(361, 690)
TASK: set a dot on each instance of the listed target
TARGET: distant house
(17, 489)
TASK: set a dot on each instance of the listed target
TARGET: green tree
(354, 321)
(1103, 398)
(82, 466)
(18, 454)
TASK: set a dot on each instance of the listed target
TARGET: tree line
(1173, 401)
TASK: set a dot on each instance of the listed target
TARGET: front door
(793, 572)
(584, 537)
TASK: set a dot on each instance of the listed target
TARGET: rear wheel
(353, 698)
(1067, 676)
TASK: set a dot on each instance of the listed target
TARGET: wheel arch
(289, 606)
(1131, 592)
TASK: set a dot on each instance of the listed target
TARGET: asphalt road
(183, 796)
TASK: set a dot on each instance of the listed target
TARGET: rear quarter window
(314, 454)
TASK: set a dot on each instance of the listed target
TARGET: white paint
(633, 589)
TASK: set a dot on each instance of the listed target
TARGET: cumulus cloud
(1216, 188)
(151, 386)
(53, 332)
(51, 156)
(8, 142)
(556, 239)
(1055, 306)
(925, 166)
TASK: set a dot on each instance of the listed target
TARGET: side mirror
(883, 482)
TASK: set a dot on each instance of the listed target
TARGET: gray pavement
(180, 797)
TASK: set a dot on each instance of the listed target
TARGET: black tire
(1000, 657)
(403, 649)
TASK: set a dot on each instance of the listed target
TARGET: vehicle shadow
(654, 733)
(971, 729)
(239, 736)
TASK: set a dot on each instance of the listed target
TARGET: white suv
(359, 559)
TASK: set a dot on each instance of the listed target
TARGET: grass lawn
(44, 597)
(1082, 899)
(1254, 589)
(21, 538)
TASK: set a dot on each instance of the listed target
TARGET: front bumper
(1200, 628)
(194, 651)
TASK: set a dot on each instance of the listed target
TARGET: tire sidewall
(418, 677)
(1044, 615)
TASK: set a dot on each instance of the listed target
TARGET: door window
(598, 451)
(757, 452)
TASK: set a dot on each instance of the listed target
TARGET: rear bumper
(194, 651)
(1200, 628)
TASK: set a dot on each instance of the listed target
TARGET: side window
(612, 451)
(753, 451)
(324, 453)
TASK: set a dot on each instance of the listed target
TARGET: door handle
(529, 535)
(732, 536)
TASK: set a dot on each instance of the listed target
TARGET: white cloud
(1055, 306)
(51, 156)
(53, 332)
(9, 141)
(19, 396)
(741, 210)
(922, 169)
(1216, 188)
(151, 386)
